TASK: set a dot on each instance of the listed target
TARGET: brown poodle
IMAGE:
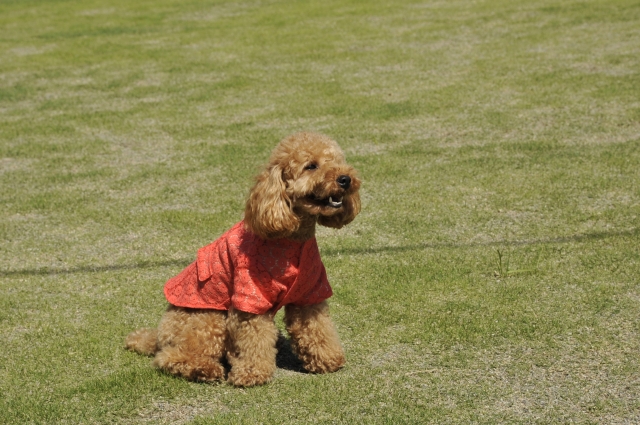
(223, 304)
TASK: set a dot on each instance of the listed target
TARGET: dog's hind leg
(143, 341)
(314, 338)
(191, 343)
(251, 348)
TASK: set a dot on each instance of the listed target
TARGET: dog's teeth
(335, 203)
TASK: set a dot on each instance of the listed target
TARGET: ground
(492, 276)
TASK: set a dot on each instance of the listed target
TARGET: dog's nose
(344, 181)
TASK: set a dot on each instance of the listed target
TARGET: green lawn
(492, 276)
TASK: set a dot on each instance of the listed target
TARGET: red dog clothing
(251, 274)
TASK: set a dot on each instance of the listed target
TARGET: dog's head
(307, 176)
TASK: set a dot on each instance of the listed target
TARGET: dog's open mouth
(334, 203)
(331, 201)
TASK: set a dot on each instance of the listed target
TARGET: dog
(222, 306)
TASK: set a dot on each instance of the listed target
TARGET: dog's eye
(311, 166)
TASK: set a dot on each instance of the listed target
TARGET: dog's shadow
(286, 359)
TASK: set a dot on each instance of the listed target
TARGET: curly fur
(279, 200)
(314, 339)
(306, 182)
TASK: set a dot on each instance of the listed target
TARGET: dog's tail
(143, 341)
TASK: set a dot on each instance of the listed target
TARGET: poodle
(222, 306)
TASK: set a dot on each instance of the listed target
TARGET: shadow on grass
(328, 252)
(96, 269)
(285, 359)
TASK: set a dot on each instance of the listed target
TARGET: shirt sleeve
(313, 286)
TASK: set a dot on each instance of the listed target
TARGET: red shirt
(251, 274)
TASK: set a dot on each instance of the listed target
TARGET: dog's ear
(350, 209)
(268, 211)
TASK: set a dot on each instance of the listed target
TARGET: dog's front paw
(323, 362)
(248, 377)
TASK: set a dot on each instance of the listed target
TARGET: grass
(490, 135)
